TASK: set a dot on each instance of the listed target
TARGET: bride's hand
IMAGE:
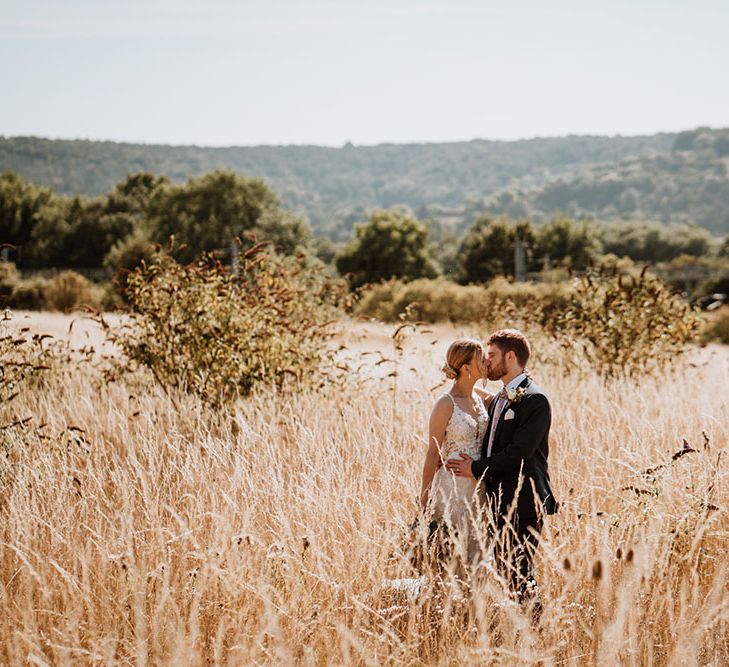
(460, 467)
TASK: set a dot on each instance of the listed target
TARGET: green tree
(645, 241)
(570, 242)
(134, 194)
(209, 212)
(287, 232)
(487, 249)
(91, 232)
(392, 244)
(26, 210)
(128, 254)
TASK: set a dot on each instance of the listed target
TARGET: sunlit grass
(265, 533)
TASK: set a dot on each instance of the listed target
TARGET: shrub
(623, 323)
(718, 284)
(29, 294)
(127, 254)
(429, 301)
(69, 290)
(525, 303)
(717, 327)
(111, 298)
(9, 280)
(208, 330)
(439, 300)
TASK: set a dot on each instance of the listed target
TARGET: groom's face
(496, 363)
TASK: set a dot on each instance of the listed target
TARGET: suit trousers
(515, 547)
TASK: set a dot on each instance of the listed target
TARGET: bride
(457, 426)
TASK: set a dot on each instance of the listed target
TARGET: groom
(513, 463)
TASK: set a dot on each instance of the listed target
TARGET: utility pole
(235, 256)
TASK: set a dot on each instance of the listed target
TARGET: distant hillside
(688, 184)
(327, 184)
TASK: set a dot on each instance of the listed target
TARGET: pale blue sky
(324, 72)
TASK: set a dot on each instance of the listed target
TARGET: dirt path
(367, 347)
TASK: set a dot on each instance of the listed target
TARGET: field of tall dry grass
(138, 527)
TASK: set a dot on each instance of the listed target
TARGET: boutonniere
(515, 395)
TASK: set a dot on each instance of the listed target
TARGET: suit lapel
(523, 384)
(492, 406)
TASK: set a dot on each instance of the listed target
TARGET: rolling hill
(663, 176)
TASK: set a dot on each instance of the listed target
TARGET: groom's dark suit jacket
(521, 445)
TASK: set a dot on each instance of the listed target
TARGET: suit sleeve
(478, 468)
(534, 422)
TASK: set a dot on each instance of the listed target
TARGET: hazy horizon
(354, 144)
(277, 73)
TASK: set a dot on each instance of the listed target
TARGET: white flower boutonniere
(515, 395)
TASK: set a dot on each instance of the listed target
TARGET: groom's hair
(512, 340)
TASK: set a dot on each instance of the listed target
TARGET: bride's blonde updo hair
(460, 352)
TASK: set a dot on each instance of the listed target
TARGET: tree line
(394, 244)
(206, 214)
(325, 184)
(43, 229)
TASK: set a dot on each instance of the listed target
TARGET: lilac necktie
(501, 402)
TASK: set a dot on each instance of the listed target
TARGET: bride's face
(481, 365)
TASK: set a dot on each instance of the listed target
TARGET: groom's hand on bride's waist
(460, 467)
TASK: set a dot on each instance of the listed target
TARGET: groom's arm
(478, 468)
(534, 422)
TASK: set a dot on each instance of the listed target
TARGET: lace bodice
(464, 433)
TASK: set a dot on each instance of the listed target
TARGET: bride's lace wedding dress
(454, 499)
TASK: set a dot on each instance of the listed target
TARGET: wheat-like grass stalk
(266, 532)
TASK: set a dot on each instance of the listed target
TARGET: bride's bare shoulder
(443, 405)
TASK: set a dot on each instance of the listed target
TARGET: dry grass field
(142, 528)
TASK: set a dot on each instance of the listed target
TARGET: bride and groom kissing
(486, 470)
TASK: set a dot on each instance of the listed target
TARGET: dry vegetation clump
(625, 324)
(218, 332)
(149, 528)
(440, 300)
(717, 326)
(66, 291)
(622, 322)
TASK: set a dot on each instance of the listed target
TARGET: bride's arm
(442, 411)
(485, 396)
